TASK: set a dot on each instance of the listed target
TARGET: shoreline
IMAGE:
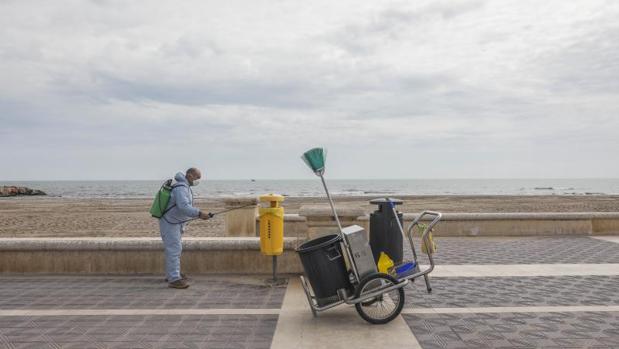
(344, 197)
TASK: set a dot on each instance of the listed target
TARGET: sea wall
(242, 254)
(321, 221)
(139, 255)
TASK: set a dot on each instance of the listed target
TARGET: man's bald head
(193, 174)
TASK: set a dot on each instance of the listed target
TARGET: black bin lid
(385, 201)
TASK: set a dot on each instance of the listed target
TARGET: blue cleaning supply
(405, 269)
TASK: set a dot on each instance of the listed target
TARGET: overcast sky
(393, 89)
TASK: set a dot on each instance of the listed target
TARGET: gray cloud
(362, 37)
(586, 65)
(470, 82)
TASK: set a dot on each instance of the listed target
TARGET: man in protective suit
(180, 210)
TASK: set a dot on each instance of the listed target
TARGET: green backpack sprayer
(162, 198)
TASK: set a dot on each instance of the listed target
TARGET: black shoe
(178, 284)
(183, 277)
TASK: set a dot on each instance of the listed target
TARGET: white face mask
(195, 182)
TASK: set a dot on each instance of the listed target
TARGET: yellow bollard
(271, 225)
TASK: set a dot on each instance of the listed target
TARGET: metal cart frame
(343, 295)
(378, 284)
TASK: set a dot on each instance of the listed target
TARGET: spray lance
(213, 214)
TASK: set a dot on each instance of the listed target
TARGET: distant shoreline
(344, 197)
(311, 188)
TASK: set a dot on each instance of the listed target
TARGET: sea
(337, 187)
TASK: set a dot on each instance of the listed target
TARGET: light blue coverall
(172, 225)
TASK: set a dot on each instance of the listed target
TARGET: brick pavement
(515, 291)
(172, 331)
(558, 330)
(139, 292)
(524, 250)
(71, 311)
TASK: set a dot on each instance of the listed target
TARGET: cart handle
(424, 237)
(437, 218)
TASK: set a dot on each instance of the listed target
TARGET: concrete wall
(520, 224)
(320, 219)
(605, 224)
(315, 221)
(240, 222)
(139, 255)
(242, 254)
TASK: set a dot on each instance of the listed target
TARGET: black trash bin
(385, 235)
(324, 266)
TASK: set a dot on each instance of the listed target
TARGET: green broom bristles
(315, 158)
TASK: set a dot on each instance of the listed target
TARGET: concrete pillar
(320, 220)
(241, 222)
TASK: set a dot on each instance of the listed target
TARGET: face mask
(195, 182)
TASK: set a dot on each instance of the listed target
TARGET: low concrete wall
(315, 221)
(520, 224)
(242, 254)
(240, 222)
(605, 224)
(139, 255)
(320, 219)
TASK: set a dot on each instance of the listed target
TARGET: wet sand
(63, 217)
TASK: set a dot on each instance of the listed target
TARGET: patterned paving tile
(514, 291)
(121, 292)
(517, 330)
(186, 331)
(524, 250)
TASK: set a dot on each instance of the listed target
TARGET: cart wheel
(383, 308)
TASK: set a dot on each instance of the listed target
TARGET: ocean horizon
(338, 187)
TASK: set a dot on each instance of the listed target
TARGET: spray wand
(213, 214)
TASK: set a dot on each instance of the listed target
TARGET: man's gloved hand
(211, 215)
(205, 216)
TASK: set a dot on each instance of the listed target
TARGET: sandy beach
(62, 217)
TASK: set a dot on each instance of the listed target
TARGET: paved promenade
(559, 292)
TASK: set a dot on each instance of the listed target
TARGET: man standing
(180, 210)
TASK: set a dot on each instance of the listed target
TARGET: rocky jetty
(15, 191)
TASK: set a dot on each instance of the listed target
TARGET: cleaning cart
(340, 268)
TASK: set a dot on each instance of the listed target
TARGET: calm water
(312, 187)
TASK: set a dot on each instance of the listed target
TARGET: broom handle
(346, 251)
(337, 219)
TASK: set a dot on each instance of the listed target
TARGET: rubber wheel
(381, 309)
